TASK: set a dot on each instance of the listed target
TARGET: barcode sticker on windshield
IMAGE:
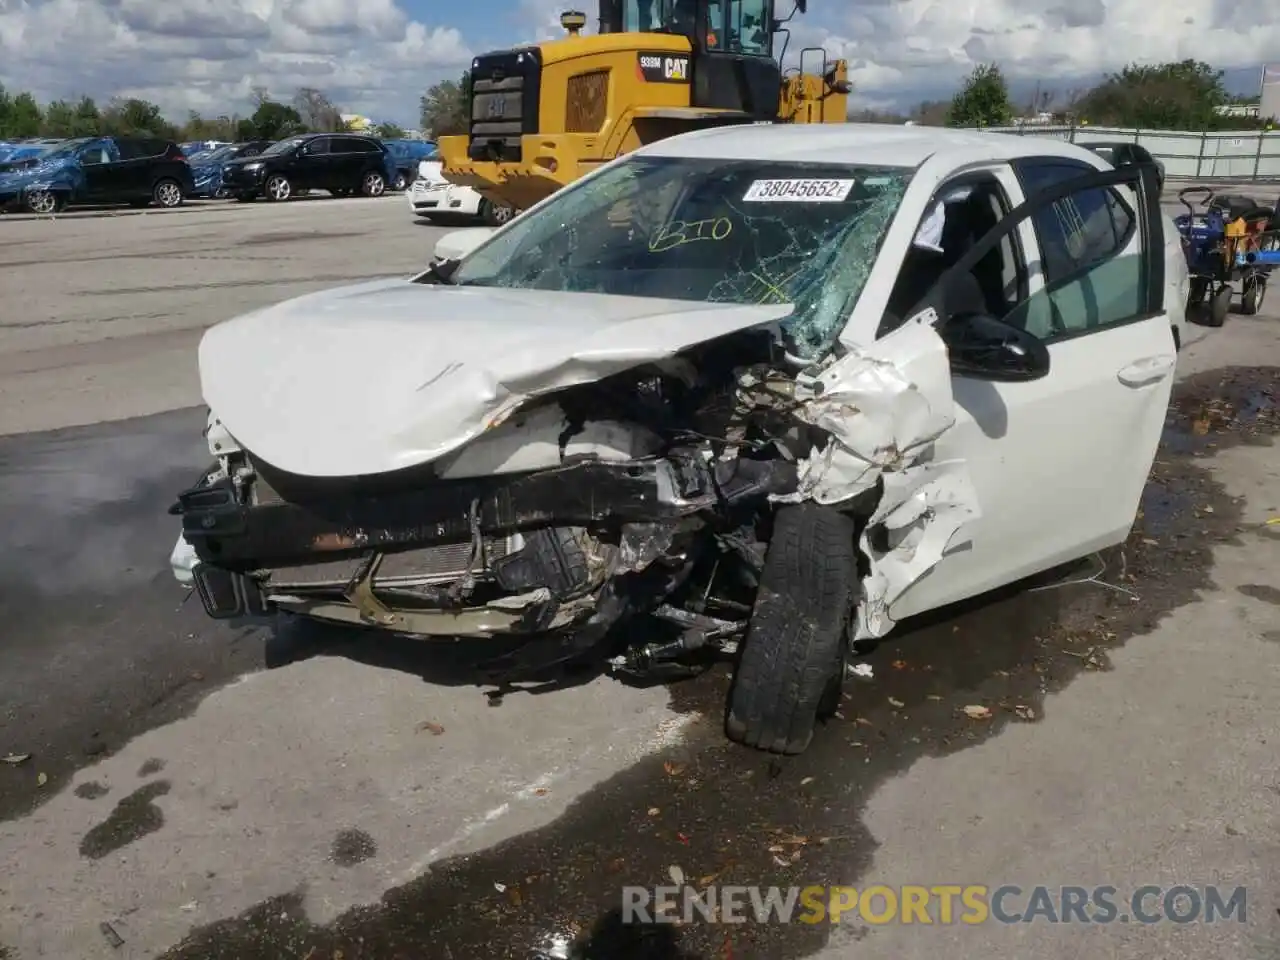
(798, 191)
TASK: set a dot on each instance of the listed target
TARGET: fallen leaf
(934, 696)
(896, 703)
(654, 811)
(1200, 427)
(899, 664)
(189, 906)
(682, 838)
(41, 779)
(500, 887)
(977, 712)
(864, 721)
(673, 769)
(16, 758)
(433, 727)
(676, 875)
(1149, 542)
(806, 780)
(540, 792)
(514, 896)
(1207, 509)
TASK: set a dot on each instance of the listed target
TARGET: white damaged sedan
(773, 388)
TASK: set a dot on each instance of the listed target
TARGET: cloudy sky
(377, 56)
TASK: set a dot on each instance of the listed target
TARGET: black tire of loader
(792, 661)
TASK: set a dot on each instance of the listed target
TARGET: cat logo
(676, 68)
(662, 68)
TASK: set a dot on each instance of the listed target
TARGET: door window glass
(317, 147)
(750, 31)
(1091, 257)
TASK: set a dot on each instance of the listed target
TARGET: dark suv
(134, 170)
(344, 164)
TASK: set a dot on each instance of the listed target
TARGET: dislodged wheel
(278, 187)
(45, 201)
(792, 662)
(1255, 290)
(1220, 306)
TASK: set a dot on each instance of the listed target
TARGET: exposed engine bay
(649, 491)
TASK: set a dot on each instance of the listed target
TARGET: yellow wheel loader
(543, 115)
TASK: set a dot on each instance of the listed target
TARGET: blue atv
(1226, 242)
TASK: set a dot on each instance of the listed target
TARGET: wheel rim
(503, 214)
(279, 188)
(42, 201)
(168, 194)
(400, 183)
(373, 185)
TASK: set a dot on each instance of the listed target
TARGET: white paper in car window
(929, 236)
(798, 191)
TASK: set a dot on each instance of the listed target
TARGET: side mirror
(456, 245)
(985, 348)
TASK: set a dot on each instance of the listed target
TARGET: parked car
(100, 170)
(193, 147)
(13, 153)
(344, 164)
(781, 387)
(408, 154)
(434, 198)
(1118, 153)
(206, 168)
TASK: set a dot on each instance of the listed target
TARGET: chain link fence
(1233, 155)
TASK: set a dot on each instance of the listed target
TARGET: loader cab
(732, 65)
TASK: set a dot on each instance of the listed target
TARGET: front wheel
(1220, 306)
(167, 194)
(45, 201)
(374, 184)
(1255, 289)
(279, 188)
(792, 660)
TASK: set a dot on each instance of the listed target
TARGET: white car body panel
(432, 194)
(391, 374)
(456, 245)
(985, 482)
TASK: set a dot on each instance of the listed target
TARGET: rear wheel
(401, 181)
(167, 194)
(374, 184)
(495, 214)
(279, 188)
(1255, 289)
(792, 662)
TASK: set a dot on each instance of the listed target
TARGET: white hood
(391, 374)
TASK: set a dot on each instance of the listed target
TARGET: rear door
(1059, 464)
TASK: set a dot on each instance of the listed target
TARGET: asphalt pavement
(185, 789)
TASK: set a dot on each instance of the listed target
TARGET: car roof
(869, 144)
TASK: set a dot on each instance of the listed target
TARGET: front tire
(46, 202)
(278, 188)
(495, 215)
(792, 660)
(1220, 306)
(1255, 289)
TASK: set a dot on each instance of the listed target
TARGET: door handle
(1147, 370)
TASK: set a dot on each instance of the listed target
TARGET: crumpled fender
(883, 407)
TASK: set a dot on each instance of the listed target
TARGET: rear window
(136, 148)
(353, 145)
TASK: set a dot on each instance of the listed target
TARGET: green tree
(983, 101)
(24, 118)
(206, 128)
(1169, 96)
(389, 131)
(88, 121)
(272, 121)
(59, 119)
(444, 109)
(135, 117)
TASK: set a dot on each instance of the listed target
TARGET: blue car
(206, 167)
(406, 155)
(99, 170)
(14, 153)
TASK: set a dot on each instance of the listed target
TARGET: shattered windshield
(728, 231)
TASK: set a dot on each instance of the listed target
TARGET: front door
(100, 163)
(1059, 464)
(311, 170)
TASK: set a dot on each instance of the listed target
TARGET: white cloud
(372, 57)
(367, 55)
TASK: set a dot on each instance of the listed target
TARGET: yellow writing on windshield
(679, 232)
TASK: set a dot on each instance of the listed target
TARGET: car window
(1090, 253)
(282, 147)
(729, 231)
(318, 147)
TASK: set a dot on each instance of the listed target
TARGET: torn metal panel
(403, 373)
(922, 510)
(882, 408)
